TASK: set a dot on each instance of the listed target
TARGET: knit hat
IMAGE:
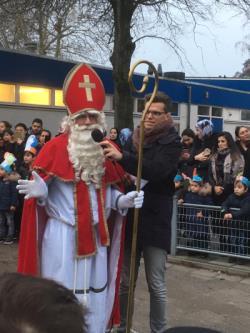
(178, 178)
(206, 126)
(197, 179)
(243, 181)
(31, 144)
(124, 135)
(6, 165)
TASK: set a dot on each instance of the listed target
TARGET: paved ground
(196, 296)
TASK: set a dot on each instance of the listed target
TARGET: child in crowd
(181, 184)
(237, 221)
(195, 217)
(8, 200)
(30, 152)
(25, 169)
(8, 138)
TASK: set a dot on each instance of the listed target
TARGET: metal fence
(204, 229)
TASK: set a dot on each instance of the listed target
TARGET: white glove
(35, 188)
(130, 200)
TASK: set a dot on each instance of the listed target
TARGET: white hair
(85, 154)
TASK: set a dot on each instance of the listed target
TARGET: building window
(203, 110)
(140, 105)
(175, 110)
(7, 93)
(59, 98)
(34, 95)
(216, 112)
(245, 115)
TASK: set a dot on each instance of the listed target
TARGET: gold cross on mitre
(87, 85)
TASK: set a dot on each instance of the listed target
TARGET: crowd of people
(214, 169)
(19, 146)
(78, 182)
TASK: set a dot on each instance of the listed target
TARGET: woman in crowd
(185, 164)
(4, 125)
(226, 163)
(203, 145)
(114, 136)
(242, 135)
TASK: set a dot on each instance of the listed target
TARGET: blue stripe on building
(19, 67)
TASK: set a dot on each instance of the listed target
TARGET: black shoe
(8, 241)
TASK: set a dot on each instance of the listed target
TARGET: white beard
(85, 154)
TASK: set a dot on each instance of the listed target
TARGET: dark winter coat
(197, 199)
(160, 162)
(235, 201)
(199, 146)
(8, 194)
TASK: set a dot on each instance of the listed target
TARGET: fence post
(174, 227)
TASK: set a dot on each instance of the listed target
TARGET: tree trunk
(120, 59)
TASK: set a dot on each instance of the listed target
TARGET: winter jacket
(198, 147)
(235, 201)
(159, 167)
(8, 194)
(230, 169)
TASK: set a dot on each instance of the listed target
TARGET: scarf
(153, 134)
(219, 165)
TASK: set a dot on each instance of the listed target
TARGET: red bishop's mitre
(83, 90)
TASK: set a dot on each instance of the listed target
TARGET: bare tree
(126, 23)
(61, 28)
(98, 29)
(239, 5)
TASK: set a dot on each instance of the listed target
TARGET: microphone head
(97, 135)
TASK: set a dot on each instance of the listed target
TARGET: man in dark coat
(161, 153)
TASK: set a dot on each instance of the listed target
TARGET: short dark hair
(37, 120)
(43, 305)
(161, 97)
(9, 131)
(22, 125)
(188, 132)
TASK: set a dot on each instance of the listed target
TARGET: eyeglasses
(155, 114)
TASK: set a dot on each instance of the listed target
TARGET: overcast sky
(213, 53)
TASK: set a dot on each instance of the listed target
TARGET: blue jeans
(155, 270)
(7, 227)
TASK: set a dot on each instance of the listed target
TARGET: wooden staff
(138, 180)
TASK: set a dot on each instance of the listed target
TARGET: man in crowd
(36, 127)
(73, 189)
(161, 151)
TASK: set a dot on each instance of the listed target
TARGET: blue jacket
(8, 194)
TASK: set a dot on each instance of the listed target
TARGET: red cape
(53, 160)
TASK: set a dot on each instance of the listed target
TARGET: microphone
(97, 135)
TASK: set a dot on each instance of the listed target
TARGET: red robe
(53, 161)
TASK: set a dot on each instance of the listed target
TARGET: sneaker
(8, 241)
